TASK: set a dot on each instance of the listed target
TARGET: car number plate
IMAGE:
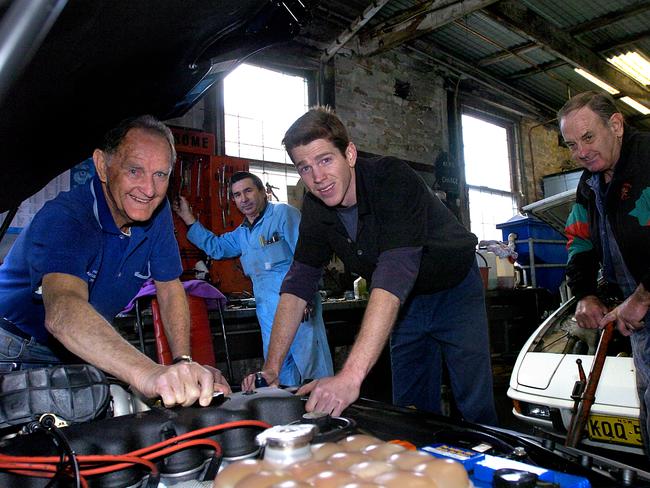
(619, 430)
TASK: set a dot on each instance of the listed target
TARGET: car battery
(485, 470)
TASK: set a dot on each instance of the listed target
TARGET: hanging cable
(48, 423)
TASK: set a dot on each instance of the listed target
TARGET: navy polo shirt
(75, 234)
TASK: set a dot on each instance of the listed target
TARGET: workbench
(342, 319)
(513, 314)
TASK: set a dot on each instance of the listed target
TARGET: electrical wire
(202, 431)
(125, 461)
(37, 470)
(197, 442)
(61, 440)
(42, 466)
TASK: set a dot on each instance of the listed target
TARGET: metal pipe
(22, 30)
(532, 154)
(139, 325)
(531, 253)
(225, 345)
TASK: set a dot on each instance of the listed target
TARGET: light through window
(260, 105)
(488, 176)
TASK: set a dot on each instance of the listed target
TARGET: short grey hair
(114, 137)
(601, 103)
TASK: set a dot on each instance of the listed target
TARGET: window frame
(310, 77)
(218, 105)
(513, 139)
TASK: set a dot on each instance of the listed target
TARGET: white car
(546, 371)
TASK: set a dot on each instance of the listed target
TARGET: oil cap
(287, 444)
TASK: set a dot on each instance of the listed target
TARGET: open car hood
(102, 61)
(553, 210)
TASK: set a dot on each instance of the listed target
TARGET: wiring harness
(76, 468)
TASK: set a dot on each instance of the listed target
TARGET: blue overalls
(266, 252)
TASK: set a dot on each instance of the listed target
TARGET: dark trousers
(449, 325)
(641, 353)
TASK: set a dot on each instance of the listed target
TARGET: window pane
(486, 210)
(485, 148)
(277, 179)
(260, 105)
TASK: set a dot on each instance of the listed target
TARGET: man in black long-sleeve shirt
(386, 225)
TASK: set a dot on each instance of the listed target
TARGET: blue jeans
(450, 325)
(641, 353)
(18, 353)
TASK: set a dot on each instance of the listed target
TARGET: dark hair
(242, 175)
(601, 103)
(114, 137)
(318, 123)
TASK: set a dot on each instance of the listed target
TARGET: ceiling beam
(623, 42)
(352, 29)
(527, 23)
(601, 48)
(425, 18)
(507, 54)
(537, 69)
(610, 18)
(588, 26)
(439, 56)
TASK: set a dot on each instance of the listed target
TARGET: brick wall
(411, 125)
(547, 156)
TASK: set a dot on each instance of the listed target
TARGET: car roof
(102, 61)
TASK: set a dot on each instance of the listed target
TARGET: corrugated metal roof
(569, 13)
(503, 46)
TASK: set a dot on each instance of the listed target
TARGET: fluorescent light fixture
(636, 105)
(634, 65)
(613, 91)
(609, 89)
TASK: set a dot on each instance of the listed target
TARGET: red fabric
(201, 346)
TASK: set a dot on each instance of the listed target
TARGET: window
(488, 175)
(260, 104)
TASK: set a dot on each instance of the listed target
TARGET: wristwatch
(183, 358)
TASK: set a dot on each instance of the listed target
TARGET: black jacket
(628, 209)
(396, 209)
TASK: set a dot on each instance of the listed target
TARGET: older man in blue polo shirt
(85, 255)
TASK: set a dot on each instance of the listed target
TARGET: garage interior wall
(412, 124)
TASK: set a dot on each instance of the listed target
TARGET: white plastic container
(360, 288)
(505, 273)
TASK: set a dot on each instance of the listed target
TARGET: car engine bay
(111, 438)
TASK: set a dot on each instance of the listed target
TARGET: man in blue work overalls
(265, 242)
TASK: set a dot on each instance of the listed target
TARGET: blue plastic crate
(545, 253)
(527, 227)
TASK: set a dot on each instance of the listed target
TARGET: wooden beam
(623, 42)
(503, 55)
(540, 68)
(420, 22)
(351, 31)
(591, 25)
(530, 46)
(630, 11)
(440, 57)
(527, 23)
